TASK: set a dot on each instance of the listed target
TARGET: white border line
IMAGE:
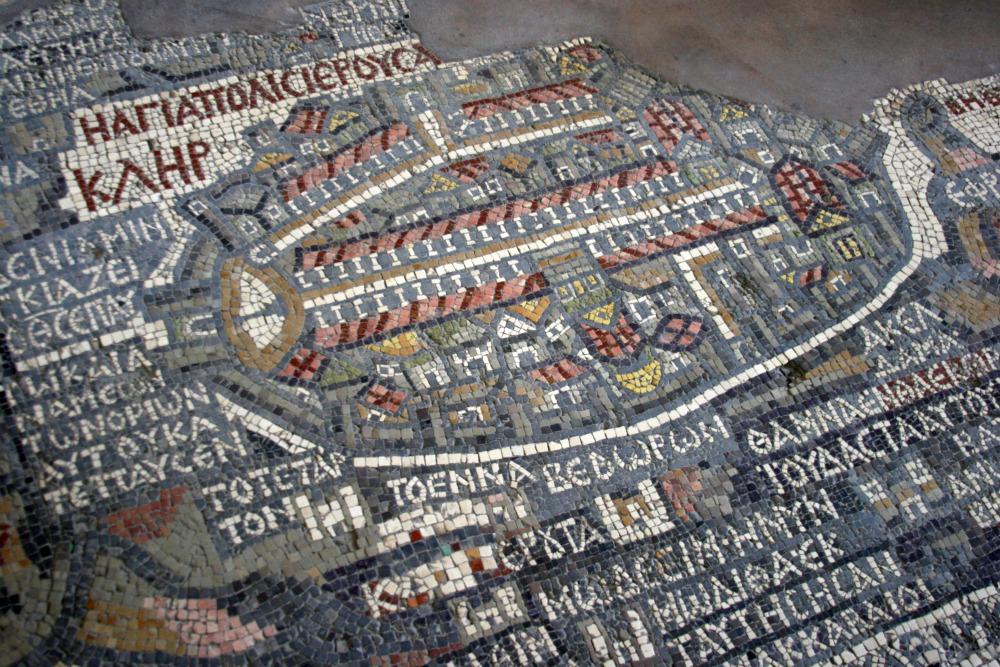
(909, 172)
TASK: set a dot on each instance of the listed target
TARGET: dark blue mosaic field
(318, 350)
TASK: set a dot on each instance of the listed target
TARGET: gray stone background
(824, 58)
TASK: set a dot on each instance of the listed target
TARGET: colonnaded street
(319, 350)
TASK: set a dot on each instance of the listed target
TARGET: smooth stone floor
(824, 58)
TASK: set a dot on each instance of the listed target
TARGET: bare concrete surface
(825, 58)
(151, 19)
(183, 18)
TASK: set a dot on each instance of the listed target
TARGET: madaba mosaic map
(318, 350)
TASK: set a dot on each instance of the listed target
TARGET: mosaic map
(318, 350)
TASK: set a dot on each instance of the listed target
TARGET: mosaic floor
(317, 350)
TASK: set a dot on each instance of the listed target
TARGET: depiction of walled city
(317, 350)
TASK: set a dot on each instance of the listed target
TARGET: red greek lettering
(121, 123)
(163, 168)
(236, 104)
(196, 151)
(187, 109)
(275, 86)
(954, 106)
(369, 72)
(203, 97)
(342, 66)
(322, 79)
(287, 88)
(217, 96)
(88, 188)
(140, 113)
(256, 89)
(165, 108)
(398, 62)
(969, 100)
(385, 62)
(129, 167)
(99, 128)
(310, 88)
